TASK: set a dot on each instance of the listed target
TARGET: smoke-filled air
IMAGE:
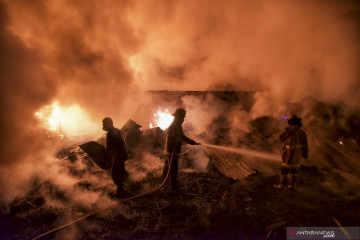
(65, 65)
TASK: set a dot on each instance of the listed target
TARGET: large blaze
(237, 67)
(51, 117)
(69, 121)
(162, 119)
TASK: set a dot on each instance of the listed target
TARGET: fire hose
(108, 207)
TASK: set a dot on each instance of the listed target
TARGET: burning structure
(212, 178)
(65, 65)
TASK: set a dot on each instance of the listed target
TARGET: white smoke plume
(103, 55)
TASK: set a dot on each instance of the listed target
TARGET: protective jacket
(295, 146)
(175, 137)
(116, 144)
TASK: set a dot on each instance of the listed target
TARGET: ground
(207, 206)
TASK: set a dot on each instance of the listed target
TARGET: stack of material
(138, 142)
(237, 166)
(152, 141)
(229, 164)
(132, 134)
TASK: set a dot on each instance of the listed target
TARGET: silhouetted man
(295, 148)
(116, 145)
(174, 139)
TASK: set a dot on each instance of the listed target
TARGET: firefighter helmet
(293, 117)
(294, 120)
(180, 112)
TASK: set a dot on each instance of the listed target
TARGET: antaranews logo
(335, 233)
(292, 233)
(324, 234)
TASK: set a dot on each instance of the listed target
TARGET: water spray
(246, 152)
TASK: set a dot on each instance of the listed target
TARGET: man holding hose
(174, 139)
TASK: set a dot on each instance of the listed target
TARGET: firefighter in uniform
(295, 148)
(116, 145)
(174, 139)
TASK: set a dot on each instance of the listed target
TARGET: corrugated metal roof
(229, 165)
(149, 140)
(236, 166)
(131, 133)
(152, 140)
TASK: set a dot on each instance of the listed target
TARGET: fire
(72, 120)
(51, 116)
(163, 119)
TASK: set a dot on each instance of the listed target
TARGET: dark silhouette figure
(174, 139)
(295, 148)
(116, 145)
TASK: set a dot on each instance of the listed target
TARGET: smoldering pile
(208, 182)
(208, 206)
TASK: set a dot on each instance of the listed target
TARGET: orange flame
(72, 120)
(162, 119)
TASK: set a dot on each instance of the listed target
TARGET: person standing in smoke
(295, 148)
(174, 139)
(116, 145)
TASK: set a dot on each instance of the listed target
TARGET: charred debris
(230, 198)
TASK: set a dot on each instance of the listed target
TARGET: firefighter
(174, 139)
(295, 148)
(116, 145)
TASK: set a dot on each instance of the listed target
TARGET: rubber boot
(282, 184)
(292, 181)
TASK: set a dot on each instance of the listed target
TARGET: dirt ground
(207, 206)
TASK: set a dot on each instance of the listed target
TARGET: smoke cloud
(104, 55)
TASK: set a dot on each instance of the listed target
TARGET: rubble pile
(232, 198)
(208, 205)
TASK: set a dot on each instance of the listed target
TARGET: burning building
(232, 163)
(238, 67)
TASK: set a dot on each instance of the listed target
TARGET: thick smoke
(85, 46)
(288, 49)
(102, 55)
(20, 71)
